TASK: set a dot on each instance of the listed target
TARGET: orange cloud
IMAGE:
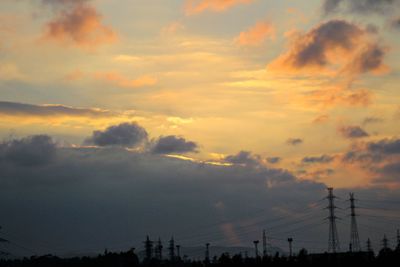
(193, 7)
(256, 35)
(339, 96)
(122, 81)
(321, 119)
(80, 25)
(369, 58)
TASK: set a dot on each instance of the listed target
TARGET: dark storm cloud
(89, 198)
(320, 159)
(244, 158)
(173, 144)
(96, 197)
(352, 132)
(29, 151)
(124, 134)
(21, 109)
(359, 6)
(294, 141)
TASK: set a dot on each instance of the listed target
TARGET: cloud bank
(22, 109)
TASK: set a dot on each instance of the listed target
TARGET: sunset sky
(258, 100)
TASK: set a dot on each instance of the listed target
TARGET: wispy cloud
(256, 35)
(193, 7)
(47, 110)
(123, 81)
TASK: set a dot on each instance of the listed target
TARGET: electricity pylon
(333, 241)
(354, 238)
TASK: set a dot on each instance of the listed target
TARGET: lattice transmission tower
(354, 238)
(333, 241)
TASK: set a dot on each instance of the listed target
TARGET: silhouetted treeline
(385, 258)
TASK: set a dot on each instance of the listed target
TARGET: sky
(125, 118)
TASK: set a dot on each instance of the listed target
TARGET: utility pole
(290, 240)
(264, 244)
(354, 238)
(256, 247)
(148, 245)
(171, 249)
(207, 257)
(333, 242)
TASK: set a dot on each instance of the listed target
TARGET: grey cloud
(124, 134)
(388, 174)
(392, 169)
(329, 35)
(243, 157)
(387, 147)
(63, 3)
(379, 157)
(273, 160)
(173, 144)
(331, 5)
(320, 159)
(357, 156)
(352, 132)
(395, 23)
(359, 6)
(316, 174)
(29, 151)
(373, 152)
(21, 109)
(371, 58)
(294, 141)
(372, 120)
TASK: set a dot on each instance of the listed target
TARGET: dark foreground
(384, 258)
